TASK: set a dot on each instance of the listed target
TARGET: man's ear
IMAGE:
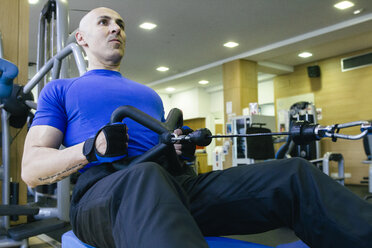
(80, 38)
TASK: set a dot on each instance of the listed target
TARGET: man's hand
(109, 144)
(186, 150)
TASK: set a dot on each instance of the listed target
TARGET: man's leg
(293, 193)
(142, 206)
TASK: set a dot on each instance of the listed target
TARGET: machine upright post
(5, 154)
(62, 31)
(1, 47)
(6, 162)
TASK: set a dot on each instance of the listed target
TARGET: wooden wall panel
(195, 123)
(343, 97)
(239, 87)
(14, 26)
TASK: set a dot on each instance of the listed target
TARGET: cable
(249, 135)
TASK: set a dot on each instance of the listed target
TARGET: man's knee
(146, 167)
(147, 172)
(300, 166)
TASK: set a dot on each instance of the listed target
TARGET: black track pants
(144, 206)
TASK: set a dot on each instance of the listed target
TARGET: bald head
(101, 34)
(91, 16)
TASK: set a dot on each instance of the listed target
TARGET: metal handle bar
(164, 129)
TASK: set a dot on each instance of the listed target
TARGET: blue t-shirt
(79, 107)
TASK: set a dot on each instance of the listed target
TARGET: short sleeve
(51, 107)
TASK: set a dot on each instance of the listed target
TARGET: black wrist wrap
(116, 138)
(88, 149)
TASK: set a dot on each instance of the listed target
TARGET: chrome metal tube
(62, 23)
(1, 47)
(56, 68)
(62, 31)
(51, 40)
(341, 170)
(40, 43)
(71, 38)
(31, 104)
(63, 199)
(46, 213)
(72, 48)
(6, 162)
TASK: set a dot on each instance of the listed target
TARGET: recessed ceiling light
(358, 11)
(170, 89)
(148, 25)
(305, 55)
(33, 1)
(231, 44)
(203, 82)
(344, 5)
(162, 68)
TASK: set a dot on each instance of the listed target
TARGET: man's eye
(104, 22)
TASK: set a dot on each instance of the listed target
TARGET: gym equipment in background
(240, 124)
(300, 111)
(367, 144)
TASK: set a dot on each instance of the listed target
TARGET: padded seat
(69, 240)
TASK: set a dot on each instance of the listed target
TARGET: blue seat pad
(69, 240)
(221, 242)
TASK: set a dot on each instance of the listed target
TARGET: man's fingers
(101, 143)
(178, 148)
(177, 131)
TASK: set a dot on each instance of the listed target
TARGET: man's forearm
(43, 165)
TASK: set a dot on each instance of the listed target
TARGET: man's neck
(105, 67)
(94, 64)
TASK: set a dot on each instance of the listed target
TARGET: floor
(39, 242)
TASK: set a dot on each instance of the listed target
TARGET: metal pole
(341, 170)
(6, 161)
(370, 178)
(72, 48)
(62, 31)
(63, 199)
(40, 46)
(1, 47)
(46, 45)
(52, 24)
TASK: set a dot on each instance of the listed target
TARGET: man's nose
(115, 28)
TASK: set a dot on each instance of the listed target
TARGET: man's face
(104, 37)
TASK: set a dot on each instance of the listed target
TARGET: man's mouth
(115, 40)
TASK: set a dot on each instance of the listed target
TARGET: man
(145, 205)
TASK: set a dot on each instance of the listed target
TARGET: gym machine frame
(45, 64)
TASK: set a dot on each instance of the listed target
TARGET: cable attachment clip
(332, 131)
(335, 128)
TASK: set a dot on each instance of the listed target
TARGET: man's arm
(43, 162)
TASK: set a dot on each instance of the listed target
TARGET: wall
(166, 103)
(216, 104)
(266, 97)
(14, 19)
(266, 92)
(343, 97)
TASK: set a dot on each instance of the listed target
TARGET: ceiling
(190, 34)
